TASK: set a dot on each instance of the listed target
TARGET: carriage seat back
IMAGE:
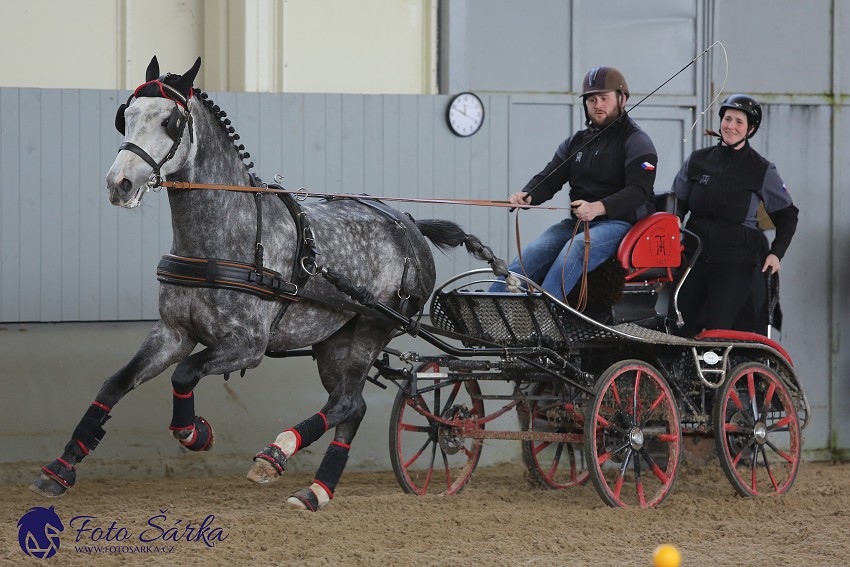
(651, 249)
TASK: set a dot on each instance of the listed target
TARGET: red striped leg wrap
(309, 430)
(183, 411)
(90, 430)
(332, 466)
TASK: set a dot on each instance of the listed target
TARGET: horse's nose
(125, 186)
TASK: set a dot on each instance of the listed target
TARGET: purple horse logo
(38, 532)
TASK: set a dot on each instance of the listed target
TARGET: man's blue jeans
(545, 258)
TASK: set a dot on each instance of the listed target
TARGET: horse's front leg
(235, 351)
(161, 348)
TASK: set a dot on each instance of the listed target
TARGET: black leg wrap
(274, 455)
(332, 466)
(201, 439)
(62, 472)
(90, 430)
(308, 498)
(310, 430)
(183, 411)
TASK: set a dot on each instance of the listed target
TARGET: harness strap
(258, 240)
(403, 293)
(203, 272)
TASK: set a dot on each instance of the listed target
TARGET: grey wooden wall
(68, 255)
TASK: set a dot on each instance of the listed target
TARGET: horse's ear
(184, 83)
(153, 70)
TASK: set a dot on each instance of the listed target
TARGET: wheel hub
(760, 433)
(636, 438)
(451, 438)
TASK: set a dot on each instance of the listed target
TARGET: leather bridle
(175, 125)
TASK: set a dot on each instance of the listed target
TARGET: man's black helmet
(748, 105)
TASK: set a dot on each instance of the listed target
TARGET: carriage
(606, 395)
(614, 403)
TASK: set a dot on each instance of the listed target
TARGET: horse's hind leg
(161, 348)
(343, 362)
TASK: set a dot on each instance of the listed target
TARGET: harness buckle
(154, 181)
(307, 261)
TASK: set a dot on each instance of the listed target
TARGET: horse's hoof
(263, 472)
(200, 437)
(305, 499)
(47, 487)
(268, 465)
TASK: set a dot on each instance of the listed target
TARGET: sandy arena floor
(498, 520)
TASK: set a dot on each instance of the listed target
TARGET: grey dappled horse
(174, 130)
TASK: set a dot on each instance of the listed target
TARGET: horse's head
(153, 121)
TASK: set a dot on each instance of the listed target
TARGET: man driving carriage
(610, 167)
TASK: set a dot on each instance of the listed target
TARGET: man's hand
(520, 198)
(771, 263)
(587, 211)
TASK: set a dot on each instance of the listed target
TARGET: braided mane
(225, 124)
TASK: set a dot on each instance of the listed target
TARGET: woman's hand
(771, 263)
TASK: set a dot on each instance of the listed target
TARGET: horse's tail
(446, 234)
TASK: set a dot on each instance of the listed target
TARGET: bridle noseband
(175, 126)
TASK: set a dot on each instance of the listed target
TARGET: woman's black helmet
(746, 104)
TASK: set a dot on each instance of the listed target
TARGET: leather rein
(302, 194)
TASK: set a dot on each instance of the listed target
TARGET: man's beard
(609, 119)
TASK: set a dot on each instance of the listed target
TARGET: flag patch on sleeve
(647, 166)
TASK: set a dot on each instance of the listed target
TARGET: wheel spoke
(780, 452)
(543, 445)
(639, 482)
(751, 389)
(768, 400)
(735, 428)
(414, 428)
(733, 395)
(621, 475)
(556, 460)
(451, 400)
(779, 425)
(635, 396)
(768, 469)
(418, 453)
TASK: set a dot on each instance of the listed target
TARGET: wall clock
(465, 114)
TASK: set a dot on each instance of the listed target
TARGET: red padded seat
(653, 242)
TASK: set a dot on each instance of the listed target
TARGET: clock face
(465, 114)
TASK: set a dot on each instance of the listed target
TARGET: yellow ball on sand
(666, 556)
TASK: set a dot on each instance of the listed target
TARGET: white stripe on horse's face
(127, 178)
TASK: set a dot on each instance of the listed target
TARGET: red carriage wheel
(757, 431)
(431, 448)
(634, 444)
(553, 464)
